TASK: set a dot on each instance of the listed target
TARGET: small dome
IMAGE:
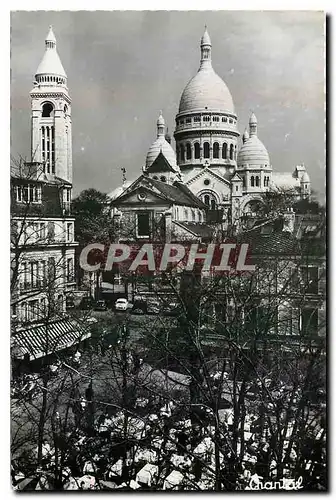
(161, 145)
(253, 152)
(119, 190)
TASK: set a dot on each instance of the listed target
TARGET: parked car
(100, 305)
(121, 305)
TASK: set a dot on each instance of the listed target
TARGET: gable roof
(211, 172)
(236, 177)
(190, 194)
(176, 193)
(160, 164)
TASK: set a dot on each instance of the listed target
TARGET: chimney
(288, 221)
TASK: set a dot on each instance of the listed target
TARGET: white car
(121, 305)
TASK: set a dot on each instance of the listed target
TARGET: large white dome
(206, 90)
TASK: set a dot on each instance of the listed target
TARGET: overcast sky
(123, 67)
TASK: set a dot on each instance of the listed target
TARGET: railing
(207, 125)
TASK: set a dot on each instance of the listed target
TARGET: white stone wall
(61, 120)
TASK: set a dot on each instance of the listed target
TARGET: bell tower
(51, 138)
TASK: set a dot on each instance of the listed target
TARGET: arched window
(213, 204)
(47, 109)
(231, 152)
(188, 151)
(257, 180)
(65, 108)
(235, 152)
(265, 181)
(197, 151)
(155, 177)
(207, 200)
(224, 151)
(182, 153)
(206, 150)
(163, 178)
(252, 181)
(216, 150)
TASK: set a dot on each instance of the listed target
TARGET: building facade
(226, 173)
(42, 232)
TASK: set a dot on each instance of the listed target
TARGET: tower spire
(160, 125)
(205, 49)
(253, 122)
(50, 40)
(51, 64)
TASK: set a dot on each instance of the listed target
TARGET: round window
(142, 196)
(206, 182)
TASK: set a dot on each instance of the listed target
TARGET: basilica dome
(253, 152)
(161, 145)
(206, 90)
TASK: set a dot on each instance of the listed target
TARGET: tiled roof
(190, 194)
(273, 243)
(59, 335)
(269, 239)
(178, 193)
(201, 230)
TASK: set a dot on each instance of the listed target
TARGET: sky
(124, 67)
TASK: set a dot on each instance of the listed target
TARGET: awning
(41, 340)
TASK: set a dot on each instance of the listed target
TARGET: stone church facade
(226, 173)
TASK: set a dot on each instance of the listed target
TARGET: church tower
(51, 115)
